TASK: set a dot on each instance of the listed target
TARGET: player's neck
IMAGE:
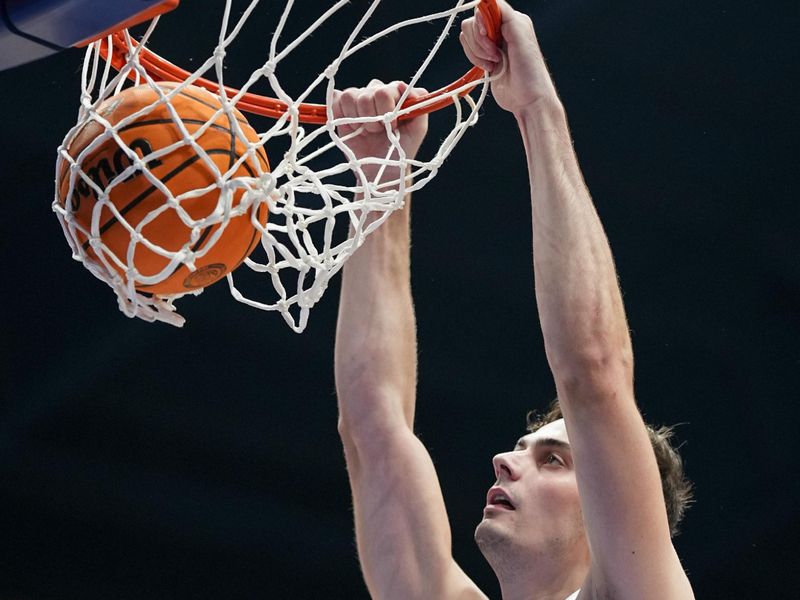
(524, 589)
(533, 577)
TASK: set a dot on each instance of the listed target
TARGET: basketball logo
(205, 276)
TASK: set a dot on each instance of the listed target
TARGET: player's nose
(505, 467)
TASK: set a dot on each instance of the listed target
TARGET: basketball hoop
(161, 69)
(301, 247)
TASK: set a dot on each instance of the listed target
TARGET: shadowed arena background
(143, 461)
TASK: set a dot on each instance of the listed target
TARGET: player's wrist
(546, 111)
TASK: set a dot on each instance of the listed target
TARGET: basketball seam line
(196, 99)
(207, 230)
(165, 122)
(136, 201)
(211, 106)
(176, 171)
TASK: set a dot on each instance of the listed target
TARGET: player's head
(533, 510)
(540, 512)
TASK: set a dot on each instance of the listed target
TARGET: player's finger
(506, 10)
(413, 94)
(482, 39)
(367, 108)
(349, 104)
(349, 108)
(416, 92)
(386, 98)
(480, 22)
(481, 45)
(515, 26)
(336, 104)
(473, 57)
(338, 112)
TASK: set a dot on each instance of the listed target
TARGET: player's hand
(378, 98)
(525, 79)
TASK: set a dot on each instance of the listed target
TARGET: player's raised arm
(585, 332)
(402, 529)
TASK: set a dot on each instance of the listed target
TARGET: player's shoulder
(670, 580)
(461, 587)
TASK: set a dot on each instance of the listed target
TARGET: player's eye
(552, 459)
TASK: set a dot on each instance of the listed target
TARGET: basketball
(138, 204)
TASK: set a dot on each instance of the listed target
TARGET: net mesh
(318, 216)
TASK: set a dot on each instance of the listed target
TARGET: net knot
(306, 301)
(139, 165)
(269, 68)
(266, 183)
(219, 53)
(331, 70)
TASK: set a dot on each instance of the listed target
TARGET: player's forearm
(375, 358)
(580, 306)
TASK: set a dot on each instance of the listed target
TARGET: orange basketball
(181, 170)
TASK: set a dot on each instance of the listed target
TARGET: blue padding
(15, 50)
(31, 29)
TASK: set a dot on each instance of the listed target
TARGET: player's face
(534, 503)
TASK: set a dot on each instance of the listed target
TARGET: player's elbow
(595, 374)
(367, 417)
(352, 431)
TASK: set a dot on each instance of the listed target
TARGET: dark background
(143, 461)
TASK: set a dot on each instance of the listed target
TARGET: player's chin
(482, 526)
(489, 532)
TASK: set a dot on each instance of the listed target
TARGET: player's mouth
(498, 498)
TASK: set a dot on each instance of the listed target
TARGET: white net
(318, 212)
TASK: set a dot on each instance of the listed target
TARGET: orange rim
(161, 69)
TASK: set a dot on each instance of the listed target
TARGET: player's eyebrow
(546, 442)
(553, 443)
